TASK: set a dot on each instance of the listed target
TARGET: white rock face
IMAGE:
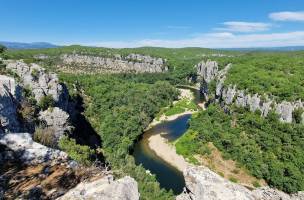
(207, 70)
(57, 119)
(203, 184)
(28, 151)
(8, 106)
(40, 82)
(104, 189)
(132, 63)
(285, 110)
(229, 95)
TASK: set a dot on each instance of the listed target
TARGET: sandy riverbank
(168, 118)
(167, 152)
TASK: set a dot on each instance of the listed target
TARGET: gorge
(139, 160)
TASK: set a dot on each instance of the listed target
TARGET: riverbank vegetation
(269, 149)
(120, 108)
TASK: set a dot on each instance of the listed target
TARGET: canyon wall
(48, 173)
(134, 63)
(208, 71)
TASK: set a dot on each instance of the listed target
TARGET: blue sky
(169, 23)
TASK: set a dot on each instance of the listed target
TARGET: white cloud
(216, 40)
(287, 16)
(237, 26)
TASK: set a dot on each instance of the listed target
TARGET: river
(168, 176)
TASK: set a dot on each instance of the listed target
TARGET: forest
(120, 108)
(269, 149)
(279, 75)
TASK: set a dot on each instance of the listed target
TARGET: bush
(35, 74)
(2, 48)
(297, 115)
(233, 179)
(45, 136)
(81, 153)
(46, 102)
(256, 184)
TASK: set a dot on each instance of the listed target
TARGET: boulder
(105, 189)
(30, 152)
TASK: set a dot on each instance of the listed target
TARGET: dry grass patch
(228, 168)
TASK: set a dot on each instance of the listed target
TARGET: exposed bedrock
(203, 184)
(106, 189)
(40, 82)
(8, 106)
(208, 71)
(132, 63)
(29, 151)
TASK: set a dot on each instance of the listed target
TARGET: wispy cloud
(239, 26)
(179, 27)
(287, 16)
(216, 40)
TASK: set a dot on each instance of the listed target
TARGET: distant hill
(34, 45)
(287, 48)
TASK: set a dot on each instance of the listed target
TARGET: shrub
(2, 48)
(297, 115)
(46, 102)
(35, 74)
(233, 179)
(81, 153)
(256, 184)
(45, 136)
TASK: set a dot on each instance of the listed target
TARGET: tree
(2, 48)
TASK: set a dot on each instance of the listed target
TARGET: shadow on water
(168, 176)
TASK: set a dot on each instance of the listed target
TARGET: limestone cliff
(30, 170)
(203, 184)
(118, 64)
(208, 71)
(106, 189)
(40, 82)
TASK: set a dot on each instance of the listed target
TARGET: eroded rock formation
(203, 184)
(30, 170)
(132, 63)
(57, 120)
(40, 82)
(29, 151)
(8, 107)
(105, 189)
(208, 71)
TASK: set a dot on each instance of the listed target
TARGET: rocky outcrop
(105, 189)
(40, 82)
(8, 106)
(208, 71)
(132, 63)
(203, 184)
(30, 152)
(56, 119)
